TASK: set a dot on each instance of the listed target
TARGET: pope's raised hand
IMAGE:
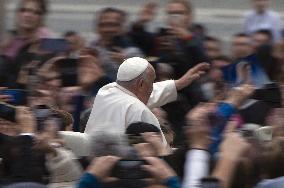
(191, 75)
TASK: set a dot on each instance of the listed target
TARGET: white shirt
(118, 107)
(268, 20)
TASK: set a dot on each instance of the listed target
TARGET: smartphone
(130, 169)
(42, 112)
(18, 96)
(8, 112)
(54, 45)
(68, 69)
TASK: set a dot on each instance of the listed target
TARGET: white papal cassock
(116, 106)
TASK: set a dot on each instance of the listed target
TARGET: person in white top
(263, 18)
(133, 95)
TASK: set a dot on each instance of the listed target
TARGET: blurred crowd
(224, 130)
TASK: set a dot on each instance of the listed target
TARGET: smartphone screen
(8, 112)
(54, 45)
(17, 96)
(69, 72)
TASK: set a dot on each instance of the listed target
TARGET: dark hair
(241, 35)
(111, 10)
(199, 27)
(141, 127)
(266, 32)
(222, 58)
(69, 33)
(84, 117)
(264, 55)
(43, 4)
(211, 39)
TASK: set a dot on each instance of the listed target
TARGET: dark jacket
(21, 162)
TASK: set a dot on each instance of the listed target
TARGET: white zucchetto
(131, 68)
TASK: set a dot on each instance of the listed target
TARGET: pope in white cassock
(133, 95)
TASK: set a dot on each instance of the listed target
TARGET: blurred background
(222, 17)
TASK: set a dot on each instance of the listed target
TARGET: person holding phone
(113, 44)
(175, 44)
(30, 16)
(17, 47)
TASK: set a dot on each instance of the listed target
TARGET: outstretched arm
(191, 75)
(166, 91)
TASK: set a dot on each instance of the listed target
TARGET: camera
(130, 169)
(69, 72)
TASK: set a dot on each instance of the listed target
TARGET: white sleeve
(196, 168)
(163, 93)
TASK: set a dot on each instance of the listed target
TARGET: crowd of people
(140, 108)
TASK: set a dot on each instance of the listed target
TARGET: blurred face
(8, 128)
(261, 5)
(178, 15)
(212, 49)
(75, 42)
(260, 39)
(145, 86)
(241, 47)
(29, 15)
(109, 25)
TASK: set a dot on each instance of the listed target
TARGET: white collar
(125, 90)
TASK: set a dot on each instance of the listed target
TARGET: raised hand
(101, 166)
(191, 75)
(237, 96)
(159, 169)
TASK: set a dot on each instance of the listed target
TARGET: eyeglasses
(36, 12)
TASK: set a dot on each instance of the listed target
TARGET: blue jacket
(224, 111)
(258, 75)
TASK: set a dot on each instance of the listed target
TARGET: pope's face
(146, 85)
